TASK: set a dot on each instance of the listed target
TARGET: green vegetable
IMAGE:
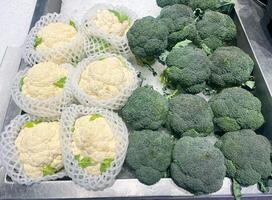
(149, 155)
(37, 41)
(235, 109)
(197, 165)
(147, 38)
(247, 156)
(236, 190)
(145, 109)
(31, 124)
(60, 83)
(84, 162)
(21, 84)
(71, 23)
(48, 170)
(231, 67)
(95, 116)
(105, 164)
(121, 17)
(163, 3)
(189, 115)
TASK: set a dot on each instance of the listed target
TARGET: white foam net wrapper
(79, 175)
(119, 44)
(51, 107)
(8, 152)
(72, 52)
(114, 103)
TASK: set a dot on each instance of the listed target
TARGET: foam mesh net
(72, 52)
(79, 175)
(118, 44)
(114, 103)
(8, 152)
(51, 107)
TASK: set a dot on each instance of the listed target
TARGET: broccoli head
(149, 154)
(235, 109)
(179, 20)
(188, 69)
(197, 165)
(190, 115)
(216, 29)
(145, 109)
(231, 67)
(163, 3)
(247, 156)
(147, 38)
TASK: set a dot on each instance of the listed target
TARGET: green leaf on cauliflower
(31, 124)
(48, 170)
(71, 23)
(105, 164)
(21, 84)
(61, 82)
(95, 116)
(37, 41)
(121, 17)
(84, 162)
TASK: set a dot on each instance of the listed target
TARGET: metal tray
(251, 38)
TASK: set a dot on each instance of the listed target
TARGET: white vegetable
(39, 148)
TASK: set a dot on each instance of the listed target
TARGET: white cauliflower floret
(39, 149)
(44, 80)
(108, 22)
(93, 139)
(104, 79)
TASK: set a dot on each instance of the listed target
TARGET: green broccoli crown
(163, 3)
(147, 38)
(188, 67)
(190, 115)
(247, 156)
(197, 165)
(149, 154)
(235, 109)
(215, 26)
(145, 109)
(231, 67)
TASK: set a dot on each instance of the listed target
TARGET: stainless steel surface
(251, 38)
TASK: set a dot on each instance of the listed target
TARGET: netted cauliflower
(106, 78)
(43, 80)
(39, 149)
(94, 145)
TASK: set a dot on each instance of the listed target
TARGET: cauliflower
(111, 22)
(104, 79)
(43, 80)
(39, 149)
(94, 145)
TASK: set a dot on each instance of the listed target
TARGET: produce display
(204, 124)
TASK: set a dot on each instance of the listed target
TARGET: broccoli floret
(149, 154)
(197, 165)
(190, 115)
(247, 156)
(147, 38)
(231, 67)
(188, 69)
(163, 3)
(235, 109)
(145, 109)
(216, 29)
(179, 19)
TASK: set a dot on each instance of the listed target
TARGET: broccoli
(235, 109)
(147, 38)
(163, 3)
(247, 156)
(231, 67)
(149, 154)
(190, 115)
(197, 165)
(179, 19)
(188, 69)
(145, 109)
(216, 29)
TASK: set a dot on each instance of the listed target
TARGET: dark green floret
(149, 154)
(197, 165)
(190, 115)
(235, 109)
(231, 67)
(145, 109)
(188, 69)
(147, 38)
(216, 29)
(163, 3)
(247, 156)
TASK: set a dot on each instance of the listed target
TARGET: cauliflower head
(38, 148)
